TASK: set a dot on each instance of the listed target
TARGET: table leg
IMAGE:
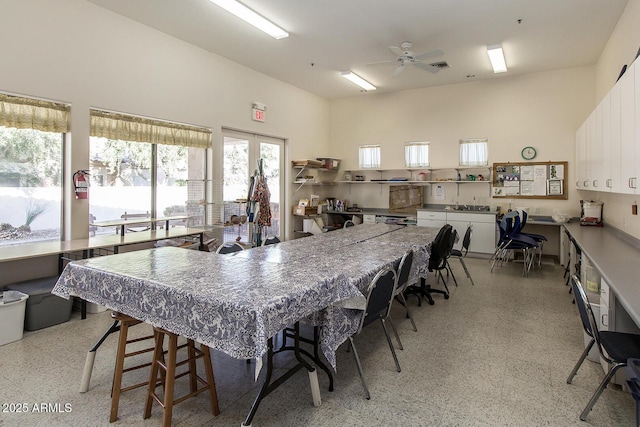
(268, 386)
(91, 356)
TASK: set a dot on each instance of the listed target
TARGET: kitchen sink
(470, 208)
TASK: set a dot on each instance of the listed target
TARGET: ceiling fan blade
(395, 49)
(398, 70)
(427, 67)
(382, 62)
(429, 54)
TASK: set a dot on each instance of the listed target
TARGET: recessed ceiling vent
(440, 65)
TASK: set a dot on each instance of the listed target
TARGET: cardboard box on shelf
(305, 210)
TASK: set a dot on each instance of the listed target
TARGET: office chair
(270, 240)
(439, 252)
(348, 223)
(404, 268)
(229, 247)
(379, 298)
(614, 347)
(458, 253)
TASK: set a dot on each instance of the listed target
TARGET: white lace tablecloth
(235, 303)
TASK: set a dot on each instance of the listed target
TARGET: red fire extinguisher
(80, 184)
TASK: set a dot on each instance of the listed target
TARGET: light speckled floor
(495, 354)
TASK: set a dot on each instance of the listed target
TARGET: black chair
(270, 240)
(439, 252)
(539, 238)
(379, 298)
(614, 347)
(458, 253)
(404, 268)
(229, 247)
(633, 382)
(510, 241)
(348, 223)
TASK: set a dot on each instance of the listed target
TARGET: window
(474, 152)
(369, 156)
(416, 154)
(31, 158)
(140, 165)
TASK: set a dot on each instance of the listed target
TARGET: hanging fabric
(260, 202)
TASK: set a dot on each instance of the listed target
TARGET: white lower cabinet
(483, 238)
(431, 219)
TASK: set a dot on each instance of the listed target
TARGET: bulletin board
(530, 180)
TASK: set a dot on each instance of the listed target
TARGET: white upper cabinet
(608, 142)
(627, 131)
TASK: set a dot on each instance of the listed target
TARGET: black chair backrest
(404, 269)
(379, 296)
(270, 240)
(584, 308)
(440, 248)
(229, 247)
(466, 241)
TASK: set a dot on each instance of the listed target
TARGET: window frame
(369, 152)
(415, 147)
(464, 159)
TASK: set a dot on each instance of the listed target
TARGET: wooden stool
(169, 369)
(116, 387)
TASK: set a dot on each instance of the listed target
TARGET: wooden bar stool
(169, 377)
(116, 388)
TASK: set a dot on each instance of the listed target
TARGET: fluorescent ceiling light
(358, 80)
(248, 15)
(497, 58)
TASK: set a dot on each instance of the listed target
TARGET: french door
(242, 153)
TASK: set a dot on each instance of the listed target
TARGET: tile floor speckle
(494, 354)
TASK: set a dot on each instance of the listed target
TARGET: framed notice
(530, 180)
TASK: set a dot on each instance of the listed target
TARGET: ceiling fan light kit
(496, 56)
(354, 78)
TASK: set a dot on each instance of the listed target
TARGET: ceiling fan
(407, 57)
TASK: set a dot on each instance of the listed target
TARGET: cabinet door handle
(595, 183)
(632, 182)
(609, 185)
(586, 183)
(604, 319)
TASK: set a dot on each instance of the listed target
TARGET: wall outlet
(537, 210)
(634, 209)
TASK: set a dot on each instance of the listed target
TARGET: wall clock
(528, 153)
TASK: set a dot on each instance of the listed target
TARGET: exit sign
(257, 115)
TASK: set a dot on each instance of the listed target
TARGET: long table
(237, 303)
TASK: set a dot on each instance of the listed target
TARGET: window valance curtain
(125, 127)
(29, 113)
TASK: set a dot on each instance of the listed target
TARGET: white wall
(76, 52)
(542, 110)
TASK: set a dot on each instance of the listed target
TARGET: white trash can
(12, 308)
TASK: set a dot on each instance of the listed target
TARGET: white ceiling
(330, 36)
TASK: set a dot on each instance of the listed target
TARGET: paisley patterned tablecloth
(235, 303)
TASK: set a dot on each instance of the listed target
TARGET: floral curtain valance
(28, 113)
(141, 129)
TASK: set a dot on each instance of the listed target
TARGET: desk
(617, 262)
(124, 223)
(237, 303)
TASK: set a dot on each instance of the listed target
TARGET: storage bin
(43, 308)
(329, 163)
(12, 308)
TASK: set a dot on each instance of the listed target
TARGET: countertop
(409, 212)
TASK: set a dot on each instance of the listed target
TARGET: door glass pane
(235, 188)
(270, 154)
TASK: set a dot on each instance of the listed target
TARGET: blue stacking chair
(512, 240)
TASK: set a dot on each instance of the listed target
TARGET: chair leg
(395, 332)
(393, 350)
(116, 385)
(600, 389)
(449, 270)
(583, 356)
(466, 270)
(355, 355)
(406, 307)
